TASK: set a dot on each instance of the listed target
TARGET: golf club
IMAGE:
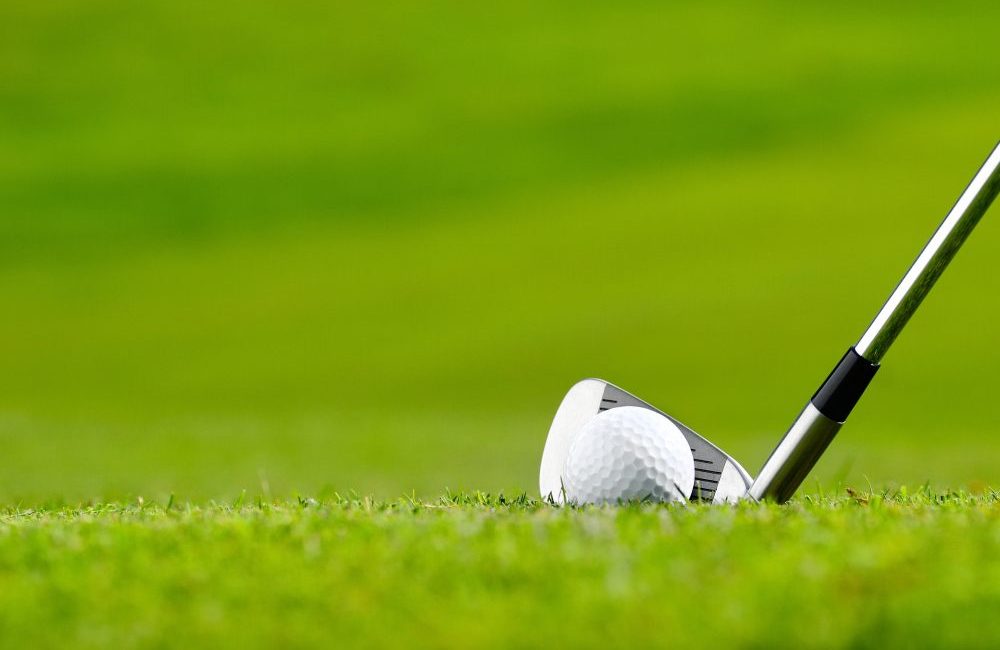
(718, 477)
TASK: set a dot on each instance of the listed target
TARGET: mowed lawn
(869, 570)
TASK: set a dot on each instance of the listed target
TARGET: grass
(861, 569)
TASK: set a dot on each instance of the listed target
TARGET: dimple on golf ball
(628, 454)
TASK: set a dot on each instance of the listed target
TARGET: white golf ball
(628, 454)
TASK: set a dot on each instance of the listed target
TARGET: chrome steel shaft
(932, 261)
(823, 416)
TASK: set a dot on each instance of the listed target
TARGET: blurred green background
(295, 247)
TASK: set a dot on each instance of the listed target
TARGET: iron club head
(718, 477)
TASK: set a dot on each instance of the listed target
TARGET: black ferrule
(844, 387)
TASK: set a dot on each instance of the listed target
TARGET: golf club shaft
(932, 261)
(826, 412)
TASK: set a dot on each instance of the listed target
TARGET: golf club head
(718, 477)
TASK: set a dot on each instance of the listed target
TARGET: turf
(863, 569)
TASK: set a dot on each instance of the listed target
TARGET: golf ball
(628, 454)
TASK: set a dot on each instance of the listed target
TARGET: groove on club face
(718, 477)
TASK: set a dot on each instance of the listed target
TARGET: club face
(718, 477)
